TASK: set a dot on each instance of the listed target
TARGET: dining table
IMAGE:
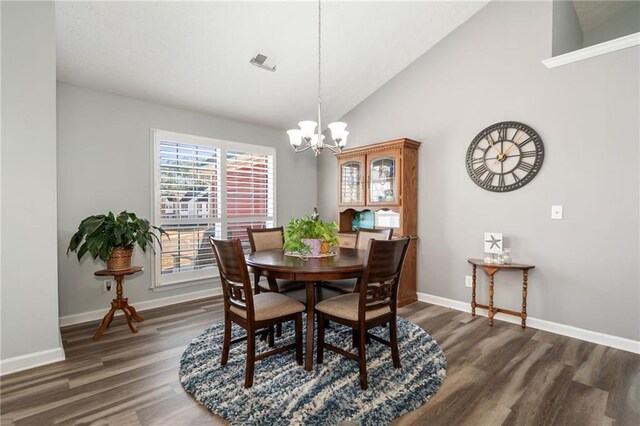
(345, 263)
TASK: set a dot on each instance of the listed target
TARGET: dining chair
(363, 235)
(270, 239)
(254, 313)
(373, 305)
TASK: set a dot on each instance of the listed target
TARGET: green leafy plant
(308, 228)
(98, 235)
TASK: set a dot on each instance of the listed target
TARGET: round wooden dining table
(346, 263)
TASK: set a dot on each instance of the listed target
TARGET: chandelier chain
(319, 47)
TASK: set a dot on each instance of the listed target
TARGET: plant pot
(325, 248)
(315, 245)
(120, 258)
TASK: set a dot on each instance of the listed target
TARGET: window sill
(592, 51)
(213, 281)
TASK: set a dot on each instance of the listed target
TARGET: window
(206, 187)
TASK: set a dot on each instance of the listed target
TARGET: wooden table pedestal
(119, 302)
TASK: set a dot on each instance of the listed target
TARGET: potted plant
(310, 236)
(112, 238)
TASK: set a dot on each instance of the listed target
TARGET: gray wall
(587, 265)
(625, 22)
(28, 248)
(104, 163)
(567, 32)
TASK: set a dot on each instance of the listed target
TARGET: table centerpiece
(309, 237)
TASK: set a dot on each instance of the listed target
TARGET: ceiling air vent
(259, 61)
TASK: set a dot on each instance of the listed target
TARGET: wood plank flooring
(497, 376)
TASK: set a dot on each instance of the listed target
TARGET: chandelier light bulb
(337, 130)
(295, 137)
(314, 139)
(308, 128)
(342, 142)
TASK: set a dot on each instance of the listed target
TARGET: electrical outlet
(468, 281)
(556, 212)
(107, 286)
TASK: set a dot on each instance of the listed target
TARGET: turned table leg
(106, 321)
(134, 314)
(473, 291)
(525, 276)
(491, 300)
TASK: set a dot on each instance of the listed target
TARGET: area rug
(283, 393)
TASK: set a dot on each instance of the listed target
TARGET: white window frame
(204, 276)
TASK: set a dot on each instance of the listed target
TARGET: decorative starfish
(494, 242)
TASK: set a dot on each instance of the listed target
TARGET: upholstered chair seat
(271, 305)
(346, 306)
(282, 286)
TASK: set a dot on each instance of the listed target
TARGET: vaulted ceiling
(195, 55)
(593, 13)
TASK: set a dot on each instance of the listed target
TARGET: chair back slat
(234, 276)
(382, 269)
(365, 234)
(266, 238)
(237, 295)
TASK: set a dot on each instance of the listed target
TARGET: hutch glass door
(383, 180)
(351, 182)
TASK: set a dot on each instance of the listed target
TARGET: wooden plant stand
(490, 270)
(119, 302)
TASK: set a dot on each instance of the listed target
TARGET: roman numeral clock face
(504, 156)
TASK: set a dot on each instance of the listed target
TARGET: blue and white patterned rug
(283, 393)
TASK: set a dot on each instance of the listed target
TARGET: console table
(119, 302)
(490, 270)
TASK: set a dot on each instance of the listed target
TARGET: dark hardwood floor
(499, 375)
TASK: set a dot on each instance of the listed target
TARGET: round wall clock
(504, 156)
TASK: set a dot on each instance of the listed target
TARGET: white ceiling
(195, 55)
(592, 13)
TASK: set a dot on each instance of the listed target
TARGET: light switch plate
(556, 212)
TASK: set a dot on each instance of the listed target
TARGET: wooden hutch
(378, 187)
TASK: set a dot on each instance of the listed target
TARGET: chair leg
(393, 340)
(354, 336)
(226, 342)
(362, 357)
(298, 328)
(279, 330)
(251, 358)
(256, 280)
(320, 343)
(270, 341)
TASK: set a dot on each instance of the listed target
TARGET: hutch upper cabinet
(377, 187)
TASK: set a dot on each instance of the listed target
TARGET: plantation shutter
(250, 193)
(205, 187)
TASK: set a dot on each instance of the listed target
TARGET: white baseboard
(36, 359)
(141, 306)
(550, 326)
